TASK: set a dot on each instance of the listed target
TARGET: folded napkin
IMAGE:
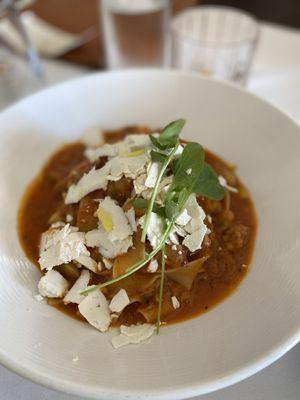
(49, 40)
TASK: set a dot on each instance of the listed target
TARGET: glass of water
(136, 32)
(215, 41)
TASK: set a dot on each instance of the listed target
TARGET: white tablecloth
(275, 77)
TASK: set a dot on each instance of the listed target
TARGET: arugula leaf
(169, 136)
(208, 184)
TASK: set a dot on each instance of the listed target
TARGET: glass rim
(208, 43)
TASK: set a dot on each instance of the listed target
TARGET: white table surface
(275, 77)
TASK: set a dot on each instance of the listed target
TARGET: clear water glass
(136, 32)
(215, 41)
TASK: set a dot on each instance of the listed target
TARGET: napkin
(49, 40)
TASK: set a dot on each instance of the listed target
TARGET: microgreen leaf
(208, 184)
(158, 157)
(188, 167)
(169, 136)
(172, 210)
(156, 143)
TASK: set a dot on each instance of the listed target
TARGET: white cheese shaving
(189, 171)
(155, 229)
(194, 241)
(139, 184)
(73, 295)
(183, 218)
(93, 180)
(114, 169)
(119, 301)
(175, 302)
(88, 262)
(224, 183)
(106, 150)
(60, 246)
(196, 227)
(133, 334)
(130, 214)
(94, 308)
(53, 285)
(107, 248)
(153, 172)
(121, 228)
(130, 167)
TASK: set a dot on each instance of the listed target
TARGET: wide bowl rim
(182, 391)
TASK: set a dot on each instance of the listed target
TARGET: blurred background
(48, 41)
(76, 16)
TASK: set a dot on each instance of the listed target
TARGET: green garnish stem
(161, 289)
(155, 190)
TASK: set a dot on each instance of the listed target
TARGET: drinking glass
(215, 41)
(136, 32)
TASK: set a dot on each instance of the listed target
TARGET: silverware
(12, 13)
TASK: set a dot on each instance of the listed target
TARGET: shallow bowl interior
(252, 328)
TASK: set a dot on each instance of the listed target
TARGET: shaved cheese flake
(53, 285)
(61, 246)
(94, 308)
(73, 295)
(88, 262)
(105, 218)
(107, 248)
(155, 229)
(194, 241)
(183, 218)
(133, 334)
(153, 172)
(119, 301)
(115, 219)
(175, 302)
(93, 180)
(139, 184)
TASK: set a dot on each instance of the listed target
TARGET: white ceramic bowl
(252, 328)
